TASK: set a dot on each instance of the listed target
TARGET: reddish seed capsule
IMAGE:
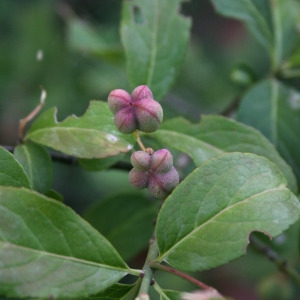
(118, 99)
(161, 185)
(149, 115)
(161, 161)
(135, 111)
(138, 179)
(125, 121)
(141, 160)
(141, 92)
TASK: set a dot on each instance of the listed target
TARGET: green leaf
(93, 135)
(47, 250)
(169, 294)
(37, 164)
(272, 23)
(198, 150)
(274, 109)
(54, 195)
(256, 14)
(294, 60)
(11, 171)
(119, 292)
(285, 28)
(207, 219)
(215, 135)
(100, 42)
(131, 225)
(155, 38)
(101, 163)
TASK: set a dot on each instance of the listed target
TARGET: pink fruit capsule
(118, 99)
(141, 92)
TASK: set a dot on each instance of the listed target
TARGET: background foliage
(228, 61)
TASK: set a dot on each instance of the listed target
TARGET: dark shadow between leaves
(138, 15)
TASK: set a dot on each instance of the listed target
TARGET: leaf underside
(93, 135)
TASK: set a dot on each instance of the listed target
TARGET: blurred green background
(73, 50)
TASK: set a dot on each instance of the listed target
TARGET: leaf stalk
(139, 141)
(148, 271)
(158, 266)
(23, 122)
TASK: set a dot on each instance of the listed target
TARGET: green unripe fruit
(141, 160)
(138, 179)
(161, 161)
(149, 114)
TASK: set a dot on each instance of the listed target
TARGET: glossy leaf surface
(274, 109)
(207, 219)
(93, 135)
(155, 38)
(37, 164)
(215, 135)
(11, 171)
(47, 250)
(133, 214)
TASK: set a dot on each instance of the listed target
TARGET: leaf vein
(212, 219)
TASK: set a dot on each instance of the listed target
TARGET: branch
(231, 108)
(273, 256)
(148, 272)
(23, 122)
(158, 266)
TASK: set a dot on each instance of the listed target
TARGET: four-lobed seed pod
(154, 171)
(139, 111)
(136, 111)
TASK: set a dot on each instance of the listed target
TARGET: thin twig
(139, 141)
(31, 115)
(158, 266)
(273, 256)
(231, 108)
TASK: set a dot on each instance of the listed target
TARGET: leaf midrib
(261, 19)
(153, 52)
(165, 254)
(277, 24)
(30, 169)
(274, 111)
(62, 257)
